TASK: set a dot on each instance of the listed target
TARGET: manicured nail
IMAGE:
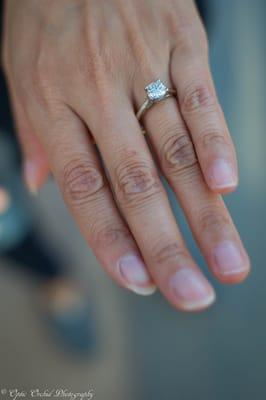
(229, 260)
(223, 175)
(192, 290)
(134, 272)
(30, 175)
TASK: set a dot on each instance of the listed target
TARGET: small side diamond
(156, 91)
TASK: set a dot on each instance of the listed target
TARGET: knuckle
(168, 252)
(213, 220)
(196, 98)
(31, 87)
(136, 182)
(27, 91)
(185, 41)
(39, 81)
(98, 71)
(190, 37)
(21, 76)
(102, 61)
(30, 80)
(110, 234)
(178, 153)
(97, 81)
(212, 138)
(94, 66)
(81, 181)
(42, 86)
(201, 40)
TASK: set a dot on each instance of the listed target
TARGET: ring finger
(206, 213)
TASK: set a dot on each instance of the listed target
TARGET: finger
(204, 118)
(144, 204)
(35, 164)
(206, 213)
(77, 169)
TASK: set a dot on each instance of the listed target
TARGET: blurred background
(64, 324)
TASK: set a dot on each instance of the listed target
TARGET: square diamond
(156, 90)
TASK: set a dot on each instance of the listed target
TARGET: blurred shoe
(67, 311)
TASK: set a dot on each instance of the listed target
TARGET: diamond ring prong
(156, 91)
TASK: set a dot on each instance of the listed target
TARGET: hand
(77, 72)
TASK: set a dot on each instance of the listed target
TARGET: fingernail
(30, 175)
(192, 290)
(228, 259)
(223, 174)
(134, 272)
